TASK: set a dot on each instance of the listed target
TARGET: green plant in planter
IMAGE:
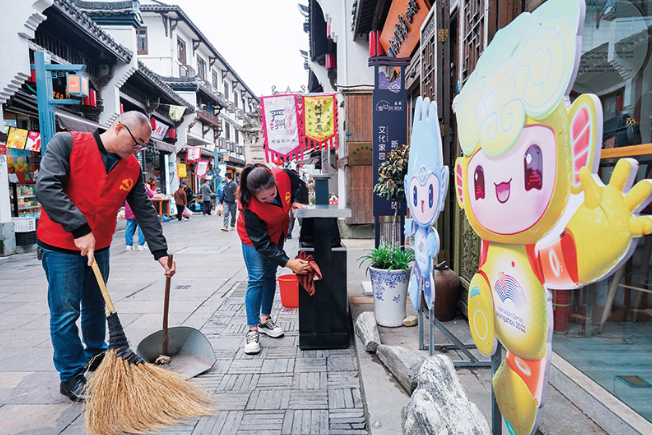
(391, 176)
(389, 258)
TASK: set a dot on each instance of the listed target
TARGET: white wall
(352, 67)
(125, 36)
(18, 22)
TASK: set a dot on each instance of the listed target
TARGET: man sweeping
(83, 180)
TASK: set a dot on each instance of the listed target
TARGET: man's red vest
(277, 219)
(95, 193)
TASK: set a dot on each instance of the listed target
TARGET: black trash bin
(324, 317)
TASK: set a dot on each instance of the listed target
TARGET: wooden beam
(165, 23)
(224, 74)
(133, 101)
(195, 45)
(211, 61)
(630, 151)
(378, 14)
(173, 25)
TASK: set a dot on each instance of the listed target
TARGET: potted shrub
(389, 267)
(391, 176)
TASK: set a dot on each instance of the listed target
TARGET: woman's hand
(296, 205)
(297, 266)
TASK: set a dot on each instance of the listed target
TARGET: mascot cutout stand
(426, 184)
(527, 181)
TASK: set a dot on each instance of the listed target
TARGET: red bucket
(289, 287)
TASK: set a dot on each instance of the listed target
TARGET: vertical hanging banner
(202, 167)
(389, 131)
(280, 126)
(193, 154)
(319, 121)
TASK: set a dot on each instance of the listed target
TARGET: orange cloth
(314, 274)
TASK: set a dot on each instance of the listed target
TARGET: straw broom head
(128, 395)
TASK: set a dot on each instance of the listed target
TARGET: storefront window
(615, 66)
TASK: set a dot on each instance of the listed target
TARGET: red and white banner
(194, 153)
(280, 126)
(202, 167)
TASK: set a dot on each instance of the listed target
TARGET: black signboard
(389, 130)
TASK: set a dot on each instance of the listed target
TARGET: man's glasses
(137, 145)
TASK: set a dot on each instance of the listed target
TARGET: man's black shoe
(73, 388)
(95, 362)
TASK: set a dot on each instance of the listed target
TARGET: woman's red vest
(277, 219)
(95, 193)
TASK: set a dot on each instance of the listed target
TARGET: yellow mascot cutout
(527, 181)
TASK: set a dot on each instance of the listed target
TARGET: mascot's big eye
(414, 193)
(430, 195)
(533, 167)
(478, 181)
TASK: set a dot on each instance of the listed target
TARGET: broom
(128, 395)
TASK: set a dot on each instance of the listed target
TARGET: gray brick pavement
(282, 390)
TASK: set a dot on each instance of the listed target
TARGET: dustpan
(190, 352)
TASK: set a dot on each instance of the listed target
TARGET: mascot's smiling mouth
(502, 191)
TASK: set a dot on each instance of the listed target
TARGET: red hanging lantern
(172, 133)
(122, 109)
(330, 61)
(32, 76)
(152, 121)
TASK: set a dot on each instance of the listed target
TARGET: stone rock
(367, 329)
(402, 363)
(439, 405)
(410, 321)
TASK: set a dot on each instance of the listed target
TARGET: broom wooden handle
(166, 308)
(100, 282)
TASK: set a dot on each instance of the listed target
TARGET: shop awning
(163, 146)
(206, 153)
(233, 160)
(70, 122)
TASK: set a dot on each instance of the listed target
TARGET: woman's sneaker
(252, 342)
(271, 329)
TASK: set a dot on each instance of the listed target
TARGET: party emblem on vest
(287, 197)
(127, 184)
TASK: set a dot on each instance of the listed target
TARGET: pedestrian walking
(83, 180)
(180, 200)
(228, 201)
(132, 225)
(206, 196)
(266, 198)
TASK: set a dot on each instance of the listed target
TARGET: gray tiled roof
(70, 10)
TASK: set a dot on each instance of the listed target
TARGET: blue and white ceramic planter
(390, 296)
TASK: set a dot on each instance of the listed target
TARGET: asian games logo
(507, 287)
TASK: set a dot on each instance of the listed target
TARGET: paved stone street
(282, 390)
